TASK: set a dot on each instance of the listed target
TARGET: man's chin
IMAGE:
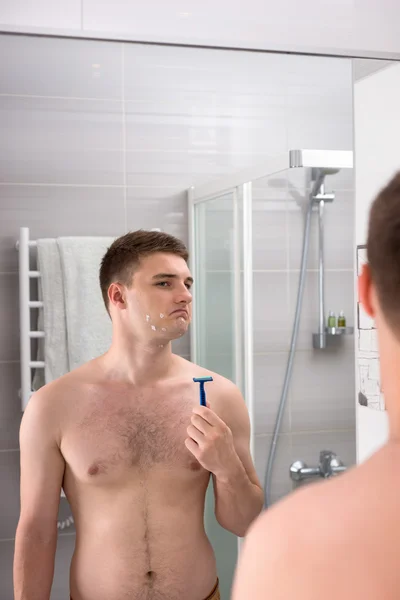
(177, 329)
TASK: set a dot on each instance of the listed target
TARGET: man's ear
(365, 291)
(116, 296)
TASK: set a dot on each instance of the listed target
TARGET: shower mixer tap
(329, 466)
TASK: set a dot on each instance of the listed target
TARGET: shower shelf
(321, 340)
(339, 330)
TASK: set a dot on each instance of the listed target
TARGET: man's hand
(211, 442)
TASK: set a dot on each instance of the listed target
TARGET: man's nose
(183, 295)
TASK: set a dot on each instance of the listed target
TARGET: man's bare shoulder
(284, 546)
(53, 394)
(290, 547)
(191, 368)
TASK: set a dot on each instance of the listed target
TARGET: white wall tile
(51, 211)
(40, 66)
(287, 26)
(64, 14)
(146, 209)
(272, 319)
(338, 232)
(270, 233)
(60, 141)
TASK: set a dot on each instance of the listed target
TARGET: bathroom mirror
(104, 137)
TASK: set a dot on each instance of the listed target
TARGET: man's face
(159, 300)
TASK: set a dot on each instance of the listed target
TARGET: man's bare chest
(113, 438)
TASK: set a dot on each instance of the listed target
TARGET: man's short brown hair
(123, 256)
(383, 249)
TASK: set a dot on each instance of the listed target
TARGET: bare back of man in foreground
(127, 439)
(340, 540)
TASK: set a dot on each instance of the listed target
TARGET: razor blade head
(202, 379)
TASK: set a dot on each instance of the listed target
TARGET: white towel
(51, 320)
(76, 324)
(89, 329)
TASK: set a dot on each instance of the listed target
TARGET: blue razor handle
(202, 381)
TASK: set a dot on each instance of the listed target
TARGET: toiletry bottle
(341, 319)
(331, 320)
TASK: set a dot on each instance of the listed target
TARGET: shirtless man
(127, 439)
(340, 540)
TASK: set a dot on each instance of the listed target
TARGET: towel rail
(26, 274)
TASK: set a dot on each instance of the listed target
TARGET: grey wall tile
(339, 295)
(323, 390)
(40, 66)
(64, 513)
(269, 372)
(6, 569)
(307, 446)
(338, 233)
(281, 484)
(9, 484)
(10, 405)
(65, 550)
(9, 317)
(60, 141)
(272, 319)
(52, 211)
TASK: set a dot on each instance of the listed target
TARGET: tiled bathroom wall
(99, 138)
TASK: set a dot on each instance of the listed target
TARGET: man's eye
(162, 283)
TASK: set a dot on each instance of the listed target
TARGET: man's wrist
(233, 473)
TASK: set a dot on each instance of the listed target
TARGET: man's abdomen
(154, 563)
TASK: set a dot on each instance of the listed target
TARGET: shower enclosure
(221, 248)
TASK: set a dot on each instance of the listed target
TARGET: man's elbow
(237, 529)
(37, 529)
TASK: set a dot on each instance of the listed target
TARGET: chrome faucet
(325, 463)
(329, 466)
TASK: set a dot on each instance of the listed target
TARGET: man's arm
(219, 437)
(42, 470)
(264, 568)
(237, 490)
(288, 551)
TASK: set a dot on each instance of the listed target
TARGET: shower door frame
(239, 183)
(243, 311)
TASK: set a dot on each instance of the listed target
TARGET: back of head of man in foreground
(340, 539)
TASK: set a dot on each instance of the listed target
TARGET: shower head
(322, 172)
(327, 160)
(327, 171)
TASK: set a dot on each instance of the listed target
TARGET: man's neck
(139, 362)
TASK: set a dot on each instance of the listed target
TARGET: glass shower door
(218, 237)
